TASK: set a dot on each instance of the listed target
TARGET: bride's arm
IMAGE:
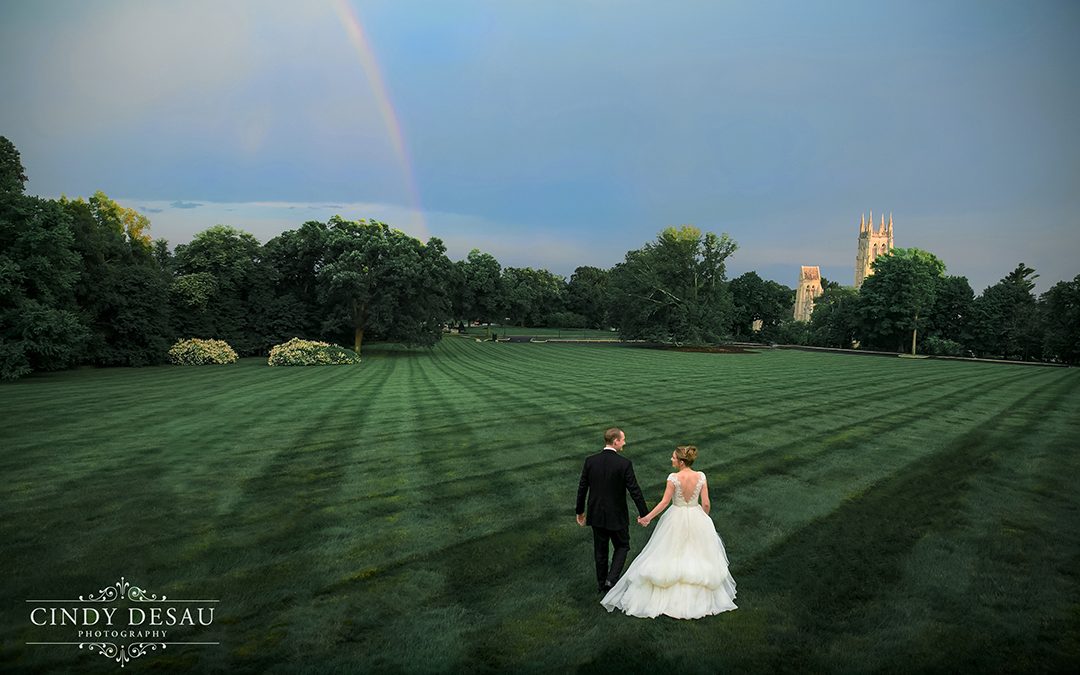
(705, 503)
(668, 491)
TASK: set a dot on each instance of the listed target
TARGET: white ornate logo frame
(122, 653)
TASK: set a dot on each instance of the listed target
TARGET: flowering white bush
(196, 352)
(297, 352)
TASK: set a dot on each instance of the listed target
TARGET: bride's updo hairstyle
(686, 454)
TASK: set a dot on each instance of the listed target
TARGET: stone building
(809, 288)
(872, 243)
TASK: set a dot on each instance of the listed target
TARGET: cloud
(773, 249)
(514, 245)
(134, 56)
(179, 220)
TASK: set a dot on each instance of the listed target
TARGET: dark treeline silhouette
(83, 283)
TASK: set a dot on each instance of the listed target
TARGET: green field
(415, 513)
(558, 333)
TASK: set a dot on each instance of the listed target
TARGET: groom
(606, 477)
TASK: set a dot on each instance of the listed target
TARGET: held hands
(644, 521)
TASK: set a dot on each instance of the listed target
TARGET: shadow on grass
(827, 581)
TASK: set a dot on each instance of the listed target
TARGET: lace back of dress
(679, 498)
(697, 488)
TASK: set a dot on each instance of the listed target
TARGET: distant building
(809, 288)
(872, 243)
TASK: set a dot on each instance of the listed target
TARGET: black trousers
(621, 540)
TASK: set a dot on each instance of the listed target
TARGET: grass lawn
(415, 512)
(562, 333)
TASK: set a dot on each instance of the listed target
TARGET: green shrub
(942, 347)
(297, 352)
(196, 352)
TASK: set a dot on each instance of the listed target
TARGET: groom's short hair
(612, 434)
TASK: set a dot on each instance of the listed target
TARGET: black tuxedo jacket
(606, 477)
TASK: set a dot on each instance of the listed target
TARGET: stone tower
(872, 243)
(808, 289)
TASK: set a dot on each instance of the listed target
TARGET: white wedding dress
(683, 570)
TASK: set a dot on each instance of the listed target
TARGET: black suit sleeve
(634, 490)
(582, 488)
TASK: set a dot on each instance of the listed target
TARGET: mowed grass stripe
(811, 580)
(315, 545)
(982, 566)
(807, 430)
(462, 487)
(488, 572)
(552, 474)
(764, 506)
(280, 555)
(423, 500)
(413, 563)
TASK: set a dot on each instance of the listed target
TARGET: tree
(122, 291)
(674, 289)
(12, 175)
(792, 332)
(757, 299)
(896, 299)
(480, 291)
(532, 296)
(39, 327)
(1061, 319)
(129, 223)
(588, 294)
(164, 257)
(377, 280)
(1006, 318)
(296, 257)
(835, 321)
(950, 317)
(238, 308)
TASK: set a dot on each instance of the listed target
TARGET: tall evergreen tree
(1006, 317)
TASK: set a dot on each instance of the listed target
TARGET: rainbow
(354, 29)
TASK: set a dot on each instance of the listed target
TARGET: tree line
(83, 282)
(910, 304)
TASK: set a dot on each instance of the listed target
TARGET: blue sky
(558, 134)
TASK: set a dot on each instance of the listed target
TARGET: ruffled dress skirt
(682, 572)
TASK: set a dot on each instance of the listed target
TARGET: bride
(683, 570)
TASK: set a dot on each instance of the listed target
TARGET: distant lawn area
(565, 333)
(415, 513)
